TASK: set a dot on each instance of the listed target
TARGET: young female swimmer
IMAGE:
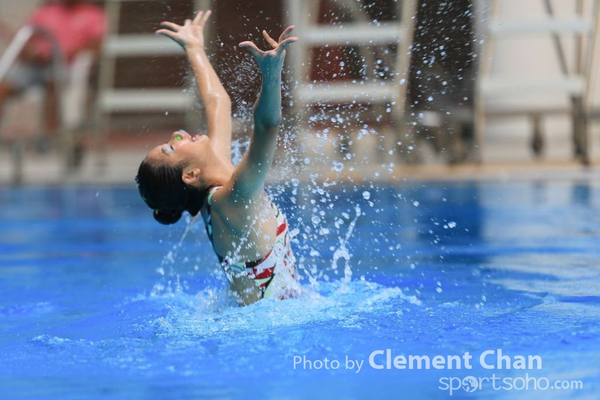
(195, 173)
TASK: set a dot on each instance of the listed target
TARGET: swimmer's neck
(217, 172)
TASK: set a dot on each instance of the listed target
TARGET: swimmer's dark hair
(163, 190)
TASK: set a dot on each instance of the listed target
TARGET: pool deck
(122, 162)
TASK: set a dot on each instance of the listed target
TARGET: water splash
(342, 253)
(211, 312)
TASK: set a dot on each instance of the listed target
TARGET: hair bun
(167, 218)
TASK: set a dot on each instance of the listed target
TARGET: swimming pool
(425, 286)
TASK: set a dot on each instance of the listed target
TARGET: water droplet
(366, 195)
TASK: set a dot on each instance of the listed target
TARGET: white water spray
(342, 251)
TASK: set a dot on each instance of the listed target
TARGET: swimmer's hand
(270, 62)
(190, 34)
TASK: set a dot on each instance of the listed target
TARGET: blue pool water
(99, 301)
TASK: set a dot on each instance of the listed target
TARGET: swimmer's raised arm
(250, 174)
(216, 101)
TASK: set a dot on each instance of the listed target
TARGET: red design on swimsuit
(264, 270)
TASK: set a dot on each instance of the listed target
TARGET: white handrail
(14, 49)
(17, 45)
(8, 60)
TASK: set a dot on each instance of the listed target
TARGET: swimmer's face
(181, 148)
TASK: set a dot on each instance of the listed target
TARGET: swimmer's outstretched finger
(284, 44)
(286, 33)
(270, 40)
(255, 51)
(202, 17)
(168, 33)
(198, 16)
(170, 26)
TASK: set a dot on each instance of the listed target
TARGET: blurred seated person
(77, 25)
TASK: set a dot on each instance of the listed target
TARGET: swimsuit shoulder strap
(211, 192)
(208, 217)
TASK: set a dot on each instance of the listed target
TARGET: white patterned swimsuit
(275, 273)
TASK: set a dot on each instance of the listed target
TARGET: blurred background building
(372, 82)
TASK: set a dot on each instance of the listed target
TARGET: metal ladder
(576, 82)
(361, 33)
(112, 99)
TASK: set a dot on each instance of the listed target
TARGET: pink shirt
(75, 28)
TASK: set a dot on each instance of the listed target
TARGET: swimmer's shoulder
(220, 201)
(223, 201)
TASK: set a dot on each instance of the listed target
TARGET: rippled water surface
(97, 300)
